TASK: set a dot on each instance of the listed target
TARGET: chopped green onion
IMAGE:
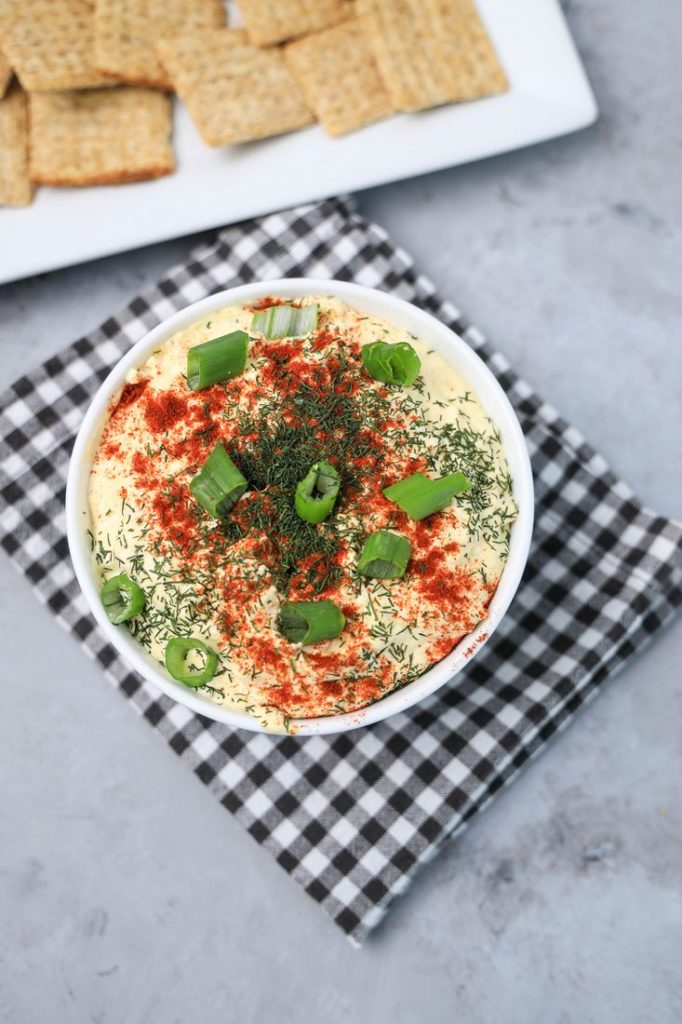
(419, 496)
(217, 360)
(122, 598)
(285, 321)
(218, 484)
(182, 655)
(309, 622)
(396, 363)
(316, 494)
(385, 555)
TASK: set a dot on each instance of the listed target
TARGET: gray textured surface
(128, 894)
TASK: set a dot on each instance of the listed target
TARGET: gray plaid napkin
(354, 817)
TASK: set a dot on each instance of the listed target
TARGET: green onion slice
(396, 363)
(218, 485)
(419, 496)
(309, 622)
(317, 492)
(285, 321)
(217, 360)
(384, 555)
(122, 598)
(191, 661)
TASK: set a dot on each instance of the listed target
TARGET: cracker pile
(85, 84)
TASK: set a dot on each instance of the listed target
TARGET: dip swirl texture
(300, 400)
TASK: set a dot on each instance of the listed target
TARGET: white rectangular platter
(549, 95)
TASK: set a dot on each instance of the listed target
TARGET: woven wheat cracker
(234, 92)
(100, 136)
(126, 32)
(339, 76)
(5, 74)
(431, 52)
(51, 44)
(15, 186)
(467, 56)
(405, 54)
(274, 21)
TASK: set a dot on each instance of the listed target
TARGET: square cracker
(472, 66)
(274, 21)
(50, 46)
(233, 91)
(126, 31)
(5, 74)
(15, 186)
(339, 76)
(431, 51)
(100, 136)
(400, 36)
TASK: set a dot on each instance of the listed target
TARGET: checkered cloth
(354, 817)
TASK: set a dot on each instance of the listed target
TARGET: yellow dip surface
(299, 400)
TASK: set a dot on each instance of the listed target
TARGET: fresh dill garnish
(283, 442)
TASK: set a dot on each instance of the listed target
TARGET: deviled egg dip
(298, 508)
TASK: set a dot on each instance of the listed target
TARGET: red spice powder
(129, 395)
(144, 470)
(477, 642)
(329, 664)
(444, 645)
(164, 410)
(111, 449)
(441, 584)
(270, 300)
(194, 448)
(324, 339)
(286, 693)
(176, 519)
(265, 655)
(371, 688)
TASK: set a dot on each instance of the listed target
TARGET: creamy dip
(300, 400)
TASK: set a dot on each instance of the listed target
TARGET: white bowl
(376, 303)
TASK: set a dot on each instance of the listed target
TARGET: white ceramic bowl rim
(405, 315)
